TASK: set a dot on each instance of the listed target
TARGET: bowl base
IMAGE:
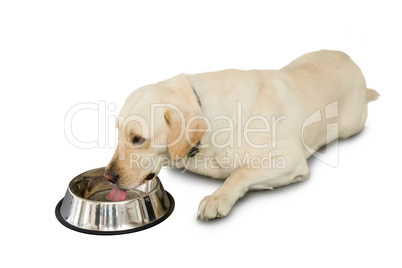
(96, 232)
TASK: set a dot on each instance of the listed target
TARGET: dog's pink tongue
(116, 194)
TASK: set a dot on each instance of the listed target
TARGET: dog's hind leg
(220, 203)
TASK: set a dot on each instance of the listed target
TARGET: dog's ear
(184, 132)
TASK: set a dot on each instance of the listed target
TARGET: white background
(54, 55)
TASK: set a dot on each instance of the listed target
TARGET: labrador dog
(254, 129)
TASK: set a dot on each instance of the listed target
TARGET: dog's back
(332, 82)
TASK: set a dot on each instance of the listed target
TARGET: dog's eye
(138, 140)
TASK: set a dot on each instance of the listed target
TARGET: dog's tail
(372, 95)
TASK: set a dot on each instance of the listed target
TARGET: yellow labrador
(255, 129)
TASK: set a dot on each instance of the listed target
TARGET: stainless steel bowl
(85, 208)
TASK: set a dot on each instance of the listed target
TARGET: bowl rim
(155, 188)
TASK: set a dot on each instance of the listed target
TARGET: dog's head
(157, 124)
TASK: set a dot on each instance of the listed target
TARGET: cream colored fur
(326, 81)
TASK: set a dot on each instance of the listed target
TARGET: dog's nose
(111, 176)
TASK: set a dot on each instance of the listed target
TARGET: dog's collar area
(198, 98)
(194, 150)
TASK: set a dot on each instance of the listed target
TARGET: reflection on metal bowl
(85, 208)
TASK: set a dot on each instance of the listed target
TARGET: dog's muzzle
(150, 176)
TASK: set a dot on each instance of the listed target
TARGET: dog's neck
(198, 98)
(193, 151)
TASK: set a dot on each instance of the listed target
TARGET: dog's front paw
(212, 207)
